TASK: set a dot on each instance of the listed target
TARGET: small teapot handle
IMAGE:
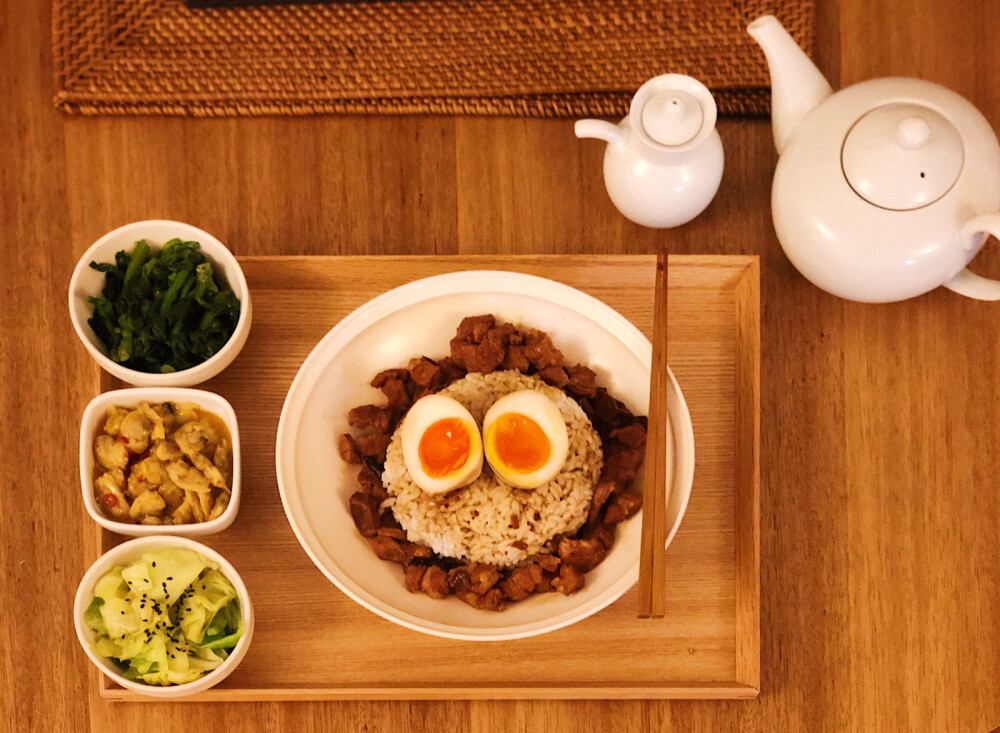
(968, 283)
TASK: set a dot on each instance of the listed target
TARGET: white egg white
(425, 412)
(543, 411)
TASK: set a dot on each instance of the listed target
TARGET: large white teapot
(884, 190)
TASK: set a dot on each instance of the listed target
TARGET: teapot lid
(673, 112)
(902, 156)
(672, 117)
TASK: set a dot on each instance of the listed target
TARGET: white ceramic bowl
(87, 281)
(420, 318)
(93, 418)
(130, 551)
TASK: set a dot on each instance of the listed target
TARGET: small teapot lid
(673, 111)
(672, 117)
(902, 156)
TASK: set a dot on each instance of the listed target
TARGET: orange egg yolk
(444, 447)
(519, 442)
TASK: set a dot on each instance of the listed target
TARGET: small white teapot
(884, 190)
(663, 163)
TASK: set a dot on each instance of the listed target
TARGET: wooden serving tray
(312, 642)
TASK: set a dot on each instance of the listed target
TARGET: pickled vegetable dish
(166, 619)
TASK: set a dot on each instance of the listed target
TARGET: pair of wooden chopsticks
(652, 560)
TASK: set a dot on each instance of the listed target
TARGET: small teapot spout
(797, 86)
(601, 130)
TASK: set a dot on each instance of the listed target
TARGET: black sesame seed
(123, 613)
(154, 563)
(170, 577)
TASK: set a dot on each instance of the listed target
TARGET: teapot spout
(797, 86)
(601, 130)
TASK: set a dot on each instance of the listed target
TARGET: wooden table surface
(879, 565)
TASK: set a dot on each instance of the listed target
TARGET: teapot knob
(913, 133)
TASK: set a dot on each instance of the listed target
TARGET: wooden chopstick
(652, 559)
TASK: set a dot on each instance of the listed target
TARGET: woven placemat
(532, 58)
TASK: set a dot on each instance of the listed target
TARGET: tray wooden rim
(745, 282)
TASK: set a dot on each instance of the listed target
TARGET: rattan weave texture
(530, 58)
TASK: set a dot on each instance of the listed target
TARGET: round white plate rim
(457, 283)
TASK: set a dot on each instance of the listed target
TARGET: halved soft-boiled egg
(442, 449)
(525, 439)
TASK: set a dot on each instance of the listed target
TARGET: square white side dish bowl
(131, 551)
(93, 418)
(86, 281)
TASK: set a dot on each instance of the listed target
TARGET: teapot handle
(601, 130)
(968, 283)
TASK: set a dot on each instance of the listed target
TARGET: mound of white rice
(482, 521)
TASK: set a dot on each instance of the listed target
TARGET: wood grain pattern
(879, 565)
(747, 411)
(698, 650)
(659, 443)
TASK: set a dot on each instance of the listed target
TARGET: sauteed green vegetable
(162, 311)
